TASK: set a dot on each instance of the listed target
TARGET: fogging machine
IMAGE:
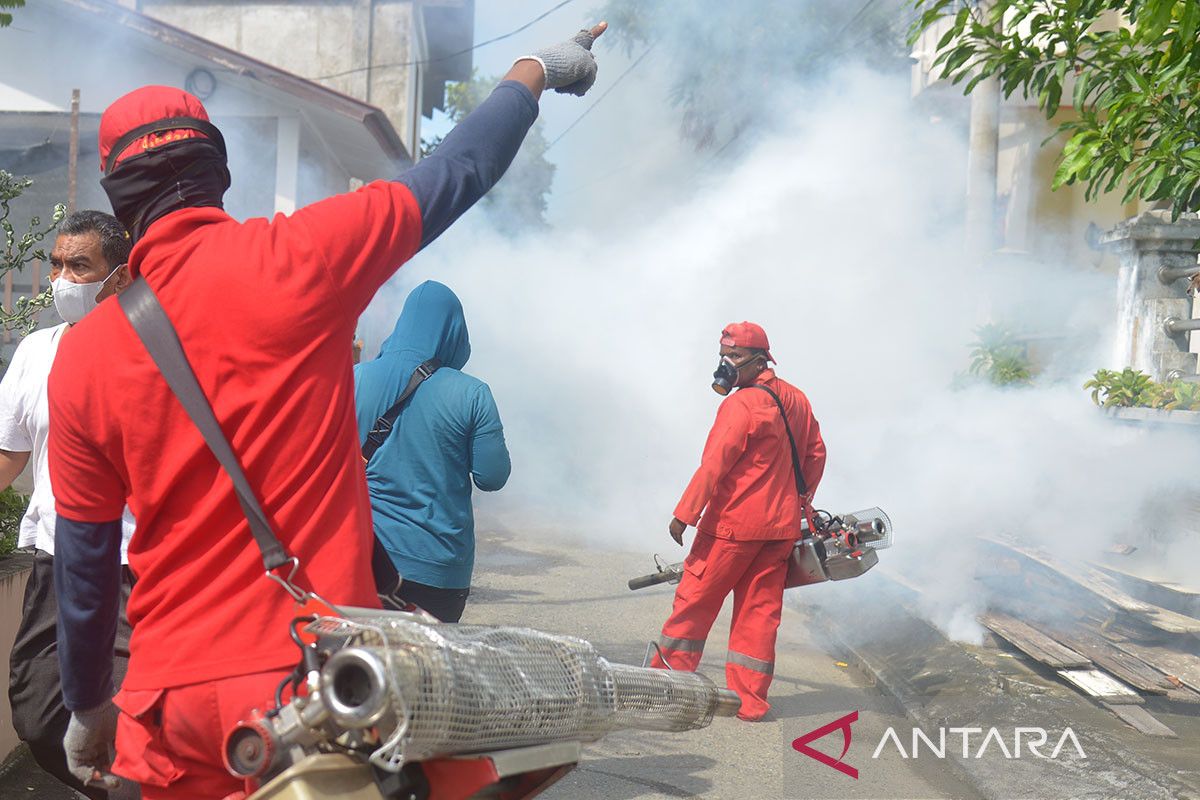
(836, 548)
(396, 705)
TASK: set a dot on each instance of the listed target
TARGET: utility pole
(73, 154)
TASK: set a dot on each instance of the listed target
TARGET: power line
(738, 132)
(449, 56)
(866, 7)
(840, 33)
(901, 29)
(614, 85)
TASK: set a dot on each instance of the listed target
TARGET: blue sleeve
(471, 159)
(87, 582)
(490, 464)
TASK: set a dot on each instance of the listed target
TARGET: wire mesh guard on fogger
(842, 546)
(397, 689)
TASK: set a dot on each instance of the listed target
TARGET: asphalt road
(553, 586)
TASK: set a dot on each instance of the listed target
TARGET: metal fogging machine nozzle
(842, 546)
(392, 689)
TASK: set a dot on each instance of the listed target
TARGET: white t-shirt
(25, 427)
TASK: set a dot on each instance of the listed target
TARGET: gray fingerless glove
(570, 67)
(89, 742)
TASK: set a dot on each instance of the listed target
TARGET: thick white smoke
(836, 234)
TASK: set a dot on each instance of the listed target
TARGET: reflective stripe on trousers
(749, 662)
(682, 645)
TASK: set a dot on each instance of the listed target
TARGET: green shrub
(12, 508)
(17, 249)
(999, 358)
(1132, 388)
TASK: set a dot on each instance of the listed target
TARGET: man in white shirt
(87, 265)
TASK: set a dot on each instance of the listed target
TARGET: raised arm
(473, 156)
(363, 237)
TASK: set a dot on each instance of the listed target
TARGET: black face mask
(191, 173)
(726, 376)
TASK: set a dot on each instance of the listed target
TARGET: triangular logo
(801, 745)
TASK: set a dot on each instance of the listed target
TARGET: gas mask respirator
(725, 378)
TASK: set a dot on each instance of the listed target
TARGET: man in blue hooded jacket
(447, 435)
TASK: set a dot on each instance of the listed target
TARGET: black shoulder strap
(383, 425)
(157, 333)
(801, 486)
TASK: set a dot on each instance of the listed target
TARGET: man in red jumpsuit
(747, 512)
(265, 310)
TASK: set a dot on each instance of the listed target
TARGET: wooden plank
(1171, 596)
(1102, 686)
(1103, 587)
(1184, 667)
(1032, 643)
(1141, 719)
(1185, 592)
(1109, 657)
(1183, 695)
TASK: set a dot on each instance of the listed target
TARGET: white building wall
(361, 48)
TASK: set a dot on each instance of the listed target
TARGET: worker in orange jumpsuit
(745, 505)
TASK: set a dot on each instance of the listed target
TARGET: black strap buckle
(383, 426)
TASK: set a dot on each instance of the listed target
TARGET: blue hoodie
(448, 434)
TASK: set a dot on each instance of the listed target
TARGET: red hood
(141, 107)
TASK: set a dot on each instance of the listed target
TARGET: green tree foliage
(518, 202)
(1129, 68)
(5, 18)
(727, 63)
(20, 249)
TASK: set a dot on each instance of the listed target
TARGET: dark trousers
(445, 604)
(34, 688)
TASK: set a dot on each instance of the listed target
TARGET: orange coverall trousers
(170, 740)
(755, 572)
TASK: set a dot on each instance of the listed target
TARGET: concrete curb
(939, 684)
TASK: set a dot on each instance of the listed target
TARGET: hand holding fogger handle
(668, 574)
(841, 547)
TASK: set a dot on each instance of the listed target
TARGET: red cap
(746, 334)
(141, 107)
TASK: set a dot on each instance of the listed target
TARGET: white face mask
(73, 301)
